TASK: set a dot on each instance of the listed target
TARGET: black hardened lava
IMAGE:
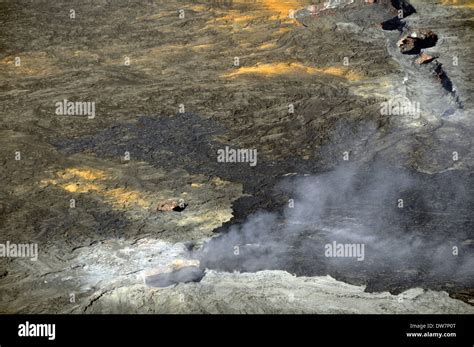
(430, 212)
(419, 43)
(397, 22)
(186, 140)
(413, 246)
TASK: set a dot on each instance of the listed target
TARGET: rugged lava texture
(302, 84)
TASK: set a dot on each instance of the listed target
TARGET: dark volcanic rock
(393, 24)
(405, 6)
(188, 61)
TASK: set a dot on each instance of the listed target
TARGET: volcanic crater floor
(161, 117)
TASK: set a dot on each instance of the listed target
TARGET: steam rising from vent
(415, 229)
